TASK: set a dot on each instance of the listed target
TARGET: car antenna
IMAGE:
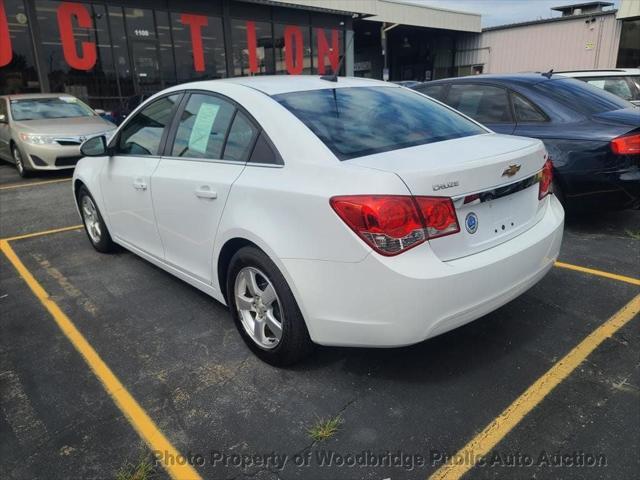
(548, 74)
(334, 76)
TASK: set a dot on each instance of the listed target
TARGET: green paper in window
(202, 127)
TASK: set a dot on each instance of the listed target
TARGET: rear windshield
(357, 121)
(619, 86)
(46, 108)
(581, 96)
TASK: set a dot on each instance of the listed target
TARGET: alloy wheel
(17, 156)
(91, 220)
(258, 307)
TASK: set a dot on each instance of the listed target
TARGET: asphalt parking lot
(108, 363)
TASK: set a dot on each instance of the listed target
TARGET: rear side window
(263, 152)
(580, 96)
(204, 124)
(358, 121)
(484, 103)
(434, 91)
(616, 85)
(525, 111)
(143, 133)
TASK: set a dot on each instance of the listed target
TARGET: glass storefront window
(76, 50)
(252, 48)
(292, 49)
(145, 52)
(328, 44)
(198, 43)
(18, 72)
(121, 51)
(112, 56)
(629, 53)
(165, 45)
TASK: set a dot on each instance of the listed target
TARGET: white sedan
(350, 213)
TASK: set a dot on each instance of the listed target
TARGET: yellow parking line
(479, 446)
(600, 273)
(487, 439)
(33, 184)
(40, 234)
(143, 424)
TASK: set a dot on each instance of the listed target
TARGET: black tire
(22, 168)
(104, 244)
(295, 343)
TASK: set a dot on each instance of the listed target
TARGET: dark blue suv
(592, 136)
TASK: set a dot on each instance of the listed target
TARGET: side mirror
(3, 118)
(94, 147)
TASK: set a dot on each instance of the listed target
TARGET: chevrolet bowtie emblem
(511, 170)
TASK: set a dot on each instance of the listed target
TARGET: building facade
(105, 51)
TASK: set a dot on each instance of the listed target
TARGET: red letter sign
(252, 45)
(196, 22)
(324, 50)
(6, 52)
(66, 12)
(293, 39)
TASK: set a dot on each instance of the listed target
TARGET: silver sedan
(45, 131)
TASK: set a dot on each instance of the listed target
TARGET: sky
(501, 12)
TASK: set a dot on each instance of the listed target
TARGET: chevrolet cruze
(349, 212)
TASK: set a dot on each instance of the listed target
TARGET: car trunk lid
(491, 178)
(625, 116)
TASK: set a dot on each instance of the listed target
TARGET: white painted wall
(569, 44)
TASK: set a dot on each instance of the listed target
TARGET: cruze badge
(471, 222)
(442, 186)
(511, 170)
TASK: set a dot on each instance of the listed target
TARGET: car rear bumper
(395, 301)
(605, 190)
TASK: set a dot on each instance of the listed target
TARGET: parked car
(45, 131)
(349, 212)
(592, 136)
(623, 82)
(407, 83)
(127, 106)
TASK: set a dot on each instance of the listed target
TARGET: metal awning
(390, 11)
(304, 6)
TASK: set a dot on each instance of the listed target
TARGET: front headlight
(36, 139)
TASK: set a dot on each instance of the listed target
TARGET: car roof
(615, 72)
(29, 96)
(514, 78)
(277, 84)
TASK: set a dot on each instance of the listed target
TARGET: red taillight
(439, 216)
(391, 224)
(626, 145)
(546, 177)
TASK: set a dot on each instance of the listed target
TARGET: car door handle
(206, 192)
(139, 184)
